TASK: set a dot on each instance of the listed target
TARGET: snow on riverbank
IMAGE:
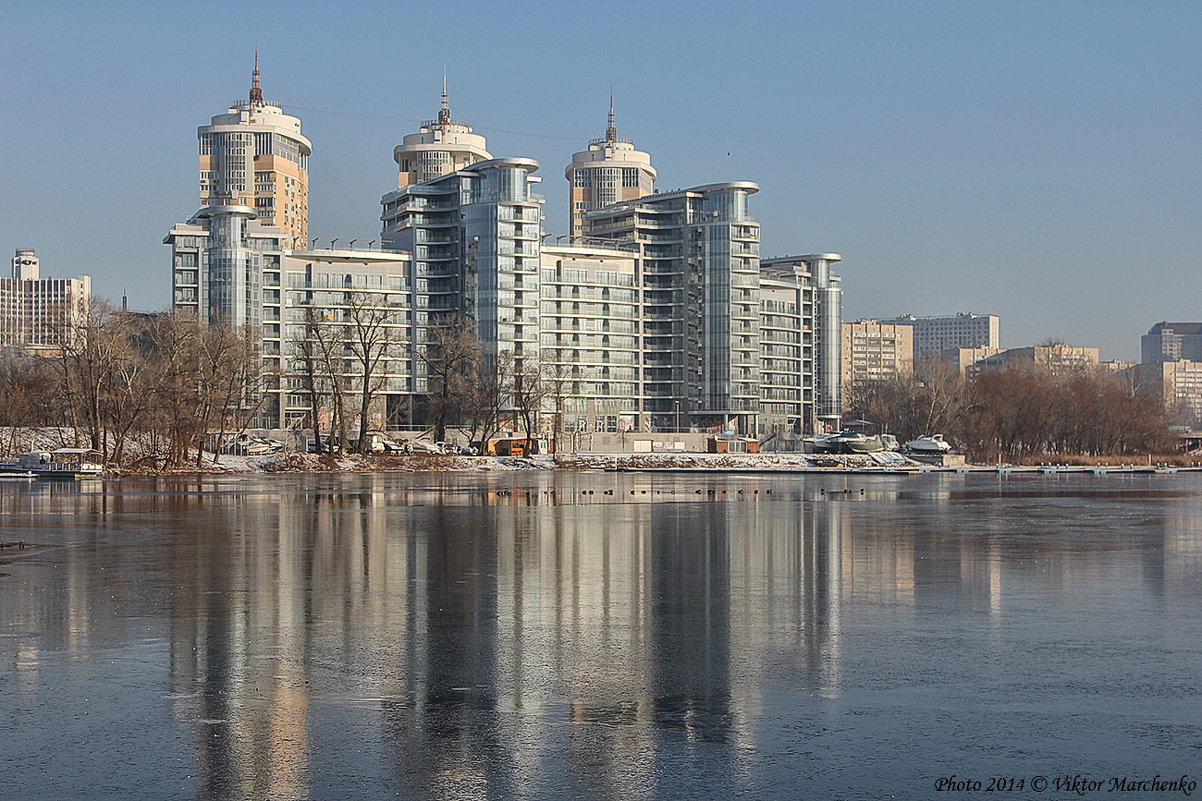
(295, 462)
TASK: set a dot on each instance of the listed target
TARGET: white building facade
(35, 312)
(962, 330)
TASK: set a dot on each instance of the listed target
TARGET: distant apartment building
(1177, 383)
(439, 147)
(933, 335)
(967, 361)
(610, 170)
(1055, 358)
(875, 351)
(1168, 342)
(1116, 366)
(36, 312)
(254, 155)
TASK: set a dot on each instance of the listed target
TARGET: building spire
(444, 112)
(611, 133)
(256, 94)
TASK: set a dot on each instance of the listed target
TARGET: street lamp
(677, 415)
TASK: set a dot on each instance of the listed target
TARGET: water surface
(593, 635)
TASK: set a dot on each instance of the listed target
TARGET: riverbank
(294, 462)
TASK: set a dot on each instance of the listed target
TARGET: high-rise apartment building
(962, 330)
(699, 253)
(1168, 342)
(801, 305)
(225, 266)
(609, 171)
(35, 312)
(254, 156)
(440, 146)
(875, 351)
(590, 347)
(474, 235)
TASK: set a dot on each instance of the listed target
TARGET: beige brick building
(36, 312)
(967, 361)
(1056, 358)
(873, 351)
(1178, 384)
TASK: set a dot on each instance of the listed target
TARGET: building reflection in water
(516, 635)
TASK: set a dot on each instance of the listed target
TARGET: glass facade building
(699, 276)
(474, 236)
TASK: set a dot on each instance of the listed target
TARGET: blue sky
(1038, 161)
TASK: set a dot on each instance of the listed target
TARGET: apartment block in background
(967, 361)
(875, 351)
(36, 312)
(932, 335)
(1168, 342)
(1178, 384)
(1055, 358)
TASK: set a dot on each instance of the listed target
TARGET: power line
(404, 121)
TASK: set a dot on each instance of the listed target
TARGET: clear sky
(1039, 161)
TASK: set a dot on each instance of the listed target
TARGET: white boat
(61, 463)
(933, 443)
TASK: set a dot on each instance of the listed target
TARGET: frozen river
(543, 635)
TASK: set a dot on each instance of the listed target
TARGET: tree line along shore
(150, 392)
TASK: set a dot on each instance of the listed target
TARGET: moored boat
(933, 443)
(61, 463)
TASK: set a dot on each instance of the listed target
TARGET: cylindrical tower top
(609, 171)
(441, 146)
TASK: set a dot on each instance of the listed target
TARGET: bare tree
(452, 356)
(529, 390)
(230, 375)
(328, 337)
(372, 333)
(175, 340)
(308, 354)
(487, 396)
(131, 398)
(555, 380)
(96, 359)
(29, 386)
